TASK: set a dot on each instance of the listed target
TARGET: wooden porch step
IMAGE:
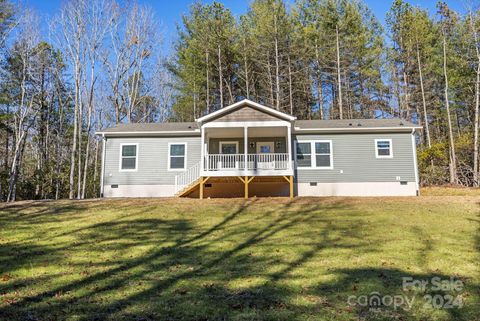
(189, 188)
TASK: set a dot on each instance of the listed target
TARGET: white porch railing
(271, 161)
(236, 162)
(188, 177)
(224, 162)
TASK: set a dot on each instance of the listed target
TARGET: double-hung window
(128, 157)
(383, 148)
(304, 154)
(314, 154)
(177, 156)
(322, 154)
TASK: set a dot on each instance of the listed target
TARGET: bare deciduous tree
(24, 111)
(69, 30)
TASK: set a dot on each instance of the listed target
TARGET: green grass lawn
(261, 259)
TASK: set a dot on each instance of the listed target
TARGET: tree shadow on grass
(354, 285)
(36, 212)
(249, 265)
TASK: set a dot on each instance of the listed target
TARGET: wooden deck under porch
(240, 186)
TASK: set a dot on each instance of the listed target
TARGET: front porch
(241, 158)
(242, 145)
(246, 151)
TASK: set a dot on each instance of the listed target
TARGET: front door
(265, 155)
(265, 147)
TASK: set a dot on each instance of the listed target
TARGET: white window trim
(185, 156)
(120, 158)
(314, 154)
(383, 140)
(228, 142)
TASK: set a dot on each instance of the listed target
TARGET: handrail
(186, 178)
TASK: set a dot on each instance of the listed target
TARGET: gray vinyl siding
(214, 144)
(352, 153)
(355, 155)
(152, 167)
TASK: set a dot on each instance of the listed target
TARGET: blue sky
(170, 12)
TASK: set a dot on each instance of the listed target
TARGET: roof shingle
(153, 127)
(192, 127)
(350, 123)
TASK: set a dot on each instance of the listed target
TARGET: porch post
(291, 187)
(246, 180)
(245, 148)
(201, 188)
(202, 150)
(289, 180)
(246, 186)
(289, 145)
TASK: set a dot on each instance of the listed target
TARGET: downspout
(103, 165)
(414, 149)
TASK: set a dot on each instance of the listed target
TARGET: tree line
(100, 63)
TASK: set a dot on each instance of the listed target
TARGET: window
(383, 148)
(128, 157)
(177, 156)
(228, 147)
(304, 155)
(314, 154)
(322, 154)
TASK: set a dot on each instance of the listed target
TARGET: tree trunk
(207, 96)
(220, 75)
(347, 98)
(319, 82)
(425, 115)
(7, 139)
(75, 130)
(80, 131)
(270, 80)
(194, 92)
(20, 133)
(245, 65)
(91, 94)
(277, 66)
(453, 161)
(14, 171)
(475, 127)
(230, 93)
(290, 90)
(339, 77)
(58, 152)
(477, 104)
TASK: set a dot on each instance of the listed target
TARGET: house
(247, 149)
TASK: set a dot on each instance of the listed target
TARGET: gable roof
(334, 125)
(243, 103)
(193, 128)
